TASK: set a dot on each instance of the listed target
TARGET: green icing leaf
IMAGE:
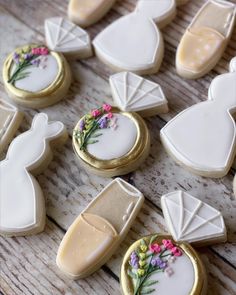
(153, 238)
(147, 291)
(150, 283)
(143, 243)
(131, 274)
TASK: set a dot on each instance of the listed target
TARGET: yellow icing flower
(142, 256)
(143, 248)
(141, 272)
(142, 263)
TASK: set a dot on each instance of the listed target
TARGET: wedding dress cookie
(96, 233)
(22, 209)
(67, 38)
(86, 13)
(205, 39)
(191, 220)
(134, 42)
(133, 93)
(10, 119)
(157, 265)
(109, 142)
(36, 77)
(202, 137)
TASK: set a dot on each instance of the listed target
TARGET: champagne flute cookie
(96, 233)
(202, 138)
(10, 119)
(86, 13)
(134, 42)
(205, 39)
(36, 77)
(22, 210)
(161, 264)
(110, 142)
(67, 38)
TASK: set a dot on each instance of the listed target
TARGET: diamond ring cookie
(110, 142)
(86, 13)
(132, 93)
(134, 42)
(22, 210)
(202, 138)
(205, 39)
(36, 77)
(65, 37)
(157, 265)
(10, 119)
(96, 233)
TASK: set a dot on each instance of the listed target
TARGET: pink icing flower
(176, 251)
(155, 248)
(35, 51)
(106, 107)
(96, 113)
(43, 51)
(109, 115)
(167, 244)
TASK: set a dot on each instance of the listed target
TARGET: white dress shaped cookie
(10, 119)
(22, 209)
(134, 42)
(202, 137)
(191, 220)
(133, 93)
(88, 12)
(67, 38)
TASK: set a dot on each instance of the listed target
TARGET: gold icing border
(141, 142)
(199, 286)
(28, 95)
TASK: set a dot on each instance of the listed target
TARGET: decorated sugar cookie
(202, 137)
(10, 119)
(109, 142)
(191, 220)
(36, 77)
(133, 93)
(86, 13)
(67, 38)
(205, 39)
(99, 229)
(134, 42)
(157, 265)
(22, 209)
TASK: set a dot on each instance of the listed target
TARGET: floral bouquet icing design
(24, 58)
(150, 258)
(91, 123)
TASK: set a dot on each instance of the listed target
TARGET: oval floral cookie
(157, 265)
(36, 77)
(110, 142)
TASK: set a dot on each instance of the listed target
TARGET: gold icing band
(142, 140)
(28, 95)
(199, 286)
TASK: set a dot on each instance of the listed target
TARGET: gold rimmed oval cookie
(110, 142)
(157, 265)
(36, 77)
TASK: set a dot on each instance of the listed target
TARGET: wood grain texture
(27, 265)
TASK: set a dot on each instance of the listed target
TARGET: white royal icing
(133, 42)
(40, 77)
(134, 93)
(21, 197)
(6, 125)
(190, 219)
(179, 282)
(64, 36)
(202, 137)
(115, 143)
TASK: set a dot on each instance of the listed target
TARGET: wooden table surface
(27, 264)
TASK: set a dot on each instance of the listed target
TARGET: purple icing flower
(27, 56)
(134, 260)
(103, 122)
(81, 125)
(158, 263)
(16, 57)
(35, 62)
